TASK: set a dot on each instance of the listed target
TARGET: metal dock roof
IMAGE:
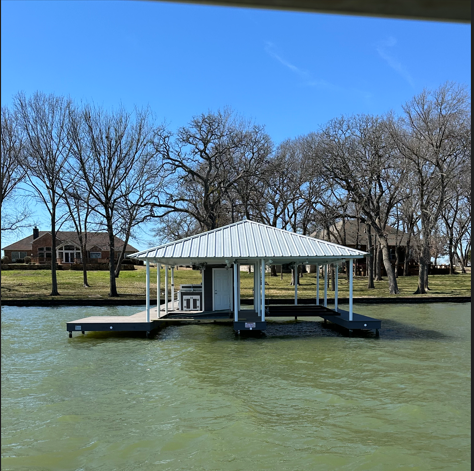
(247, 241)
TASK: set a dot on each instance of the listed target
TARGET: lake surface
(305, 397)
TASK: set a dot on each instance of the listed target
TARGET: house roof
(247, 241)
(94, 239)
(357, 234)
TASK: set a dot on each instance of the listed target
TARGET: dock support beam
(326, 285)
(256, 286)
(351, 287)
(263, 290)
(317, 284)
(166, 290)
(336, 286)
(158, 294)
(296, 283)
(172, 289)
(236, 293)
(147, 263)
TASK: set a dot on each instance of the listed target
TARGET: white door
(222, 287)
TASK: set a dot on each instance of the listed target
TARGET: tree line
(117, 169)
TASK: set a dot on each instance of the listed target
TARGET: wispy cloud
(271, 50)
(308, 79)
(382, 49)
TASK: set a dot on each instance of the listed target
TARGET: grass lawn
(36, 284)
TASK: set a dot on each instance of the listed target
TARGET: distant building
(353, 234)
(68, 250)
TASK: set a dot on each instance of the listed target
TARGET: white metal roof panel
(247, 240)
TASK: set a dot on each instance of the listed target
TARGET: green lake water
(305, 397)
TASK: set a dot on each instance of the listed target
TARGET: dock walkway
(247, 319)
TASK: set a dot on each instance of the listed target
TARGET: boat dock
(248, 319)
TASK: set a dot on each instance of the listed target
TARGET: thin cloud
(270, 49)
(396, 65)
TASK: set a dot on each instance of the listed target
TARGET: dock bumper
(240, 326)
(111, 326)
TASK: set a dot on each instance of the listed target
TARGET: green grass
(36, 284)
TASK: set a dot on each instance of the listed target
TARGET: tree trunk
(396, 261)
(273, 270)
(405, 264)
(452, 268)
(333, 277)
(370, 266)
(392, 281)
(113, 284)
(54, 279)
(85, 259)
(378, 273)
(423, 264)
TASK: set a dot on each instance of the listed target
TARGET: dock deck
(247, 320)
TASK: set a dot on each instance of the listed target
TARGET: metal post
(236, 294)
(147, 263)
(317, 284)
(172, 288)
(351, 290)
(166, 289)
(158, 293)
(336, 286)
(326, 285)
(202, 288)
(263, 290)
(296, 283)
(256, 287)
(238, 286)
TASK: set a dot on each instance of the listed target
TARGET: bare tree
(11, 171)
(434, 137)
(358, 155)
(206, 161)
(107, 147)
(43, 119)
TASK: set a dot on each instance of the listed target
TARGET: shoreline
(139, 302)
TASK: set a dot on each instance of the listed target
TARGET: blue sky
(290, 71)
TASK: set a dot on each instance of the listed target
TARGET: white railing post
(166, 289)
(295, 271)
(172, 288)
(256, 285)
(263, 290)
(351, 287)
(147, 263)
(336, 286)
(236, 294)
(158, 289)
(326, 285)
(317, 284)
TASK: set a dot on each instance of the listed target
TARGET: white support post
(326, 285)
(158, 288)
(317, 284)
(172, 288)
(351, 285)
(238, 286)
(336, 286)
(296, 283)
(263, 290)
(166, 289)
(202, 288)
(256, 287)
(236, 294)
(147, 263)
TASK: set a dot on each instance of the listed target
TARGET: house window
(95, 254)
(18, 256)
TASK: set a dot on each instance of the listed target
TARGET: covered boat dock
(219, 254)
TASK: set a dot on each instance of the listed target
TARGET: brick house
(68, 250)
(356, 237)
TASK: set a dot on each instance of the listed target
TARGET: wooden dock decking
(247, 319)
